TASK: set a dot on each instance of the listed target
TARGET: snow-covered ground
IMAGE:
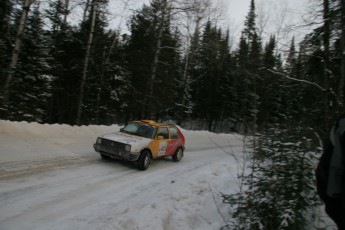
(51, 178)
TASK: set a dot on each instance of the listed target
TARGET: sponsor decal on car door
(162, 147)
(164, 134)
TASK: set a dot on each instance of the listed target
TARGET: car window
(131, 127)
(163, 131)
(139, 129)
(173, 133)
(146, 131)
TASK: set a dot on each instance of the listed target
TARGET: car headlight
(127, 148)
(99, 140)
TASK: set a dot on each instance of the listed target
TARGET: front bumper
(116, 151)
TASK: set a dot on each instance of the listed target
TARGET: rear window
(162, 131)
(173, 133)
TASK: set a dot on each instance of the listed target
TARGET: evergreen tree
(293, 93)
(323, 65)
(19, 28)
(6, 8)
(152, 58)
(111, 81)
(89, 42)
(270, 87)
(249, 61)
(65, 62)
(31, 87)
(280, 186)
(210, 88)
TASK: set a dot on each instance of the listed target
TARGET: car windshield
(144, 130)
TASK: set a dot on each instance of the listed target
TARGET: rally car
(141, 141)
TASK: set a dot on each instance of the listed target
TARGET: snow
(51, 178)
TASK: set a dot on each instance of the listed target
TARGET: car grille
(112, 147)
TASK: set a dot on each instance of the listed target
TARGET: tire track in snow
(95, 192)
(13, 170)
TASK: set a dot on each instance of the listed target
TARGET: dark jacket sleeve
(342, 143)
(322, 170)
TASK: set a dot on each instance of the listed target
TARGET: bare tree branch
(295, 79)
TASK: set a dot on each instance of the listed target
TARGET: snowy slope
(51, 178)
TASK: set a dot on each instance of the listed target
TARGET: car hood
(135, 141)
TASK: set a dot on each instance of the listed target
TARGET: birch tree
(341, 87)
(326, 70)
(86, 61)
(163, 16)
(14, 57)
(195, 19)
(31, 85)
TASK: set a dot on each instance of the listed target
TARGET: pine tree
(5, 39)
(280, 185)
(112, 85)
(90, 36)
(324, 65)
(184, 104)
(291, 98)
(269, 87)
(107, 83)
(249, 61)
(152, 55)
(211, 76)
(31, 87)
(65, 64)
(13, 60)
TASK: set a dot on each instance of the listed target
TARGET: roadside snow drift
(51, 178)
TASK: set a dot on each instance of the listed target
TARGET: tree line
(177, 63)
(55, 71)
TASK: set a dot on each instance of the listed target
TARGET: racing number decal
(162, 148)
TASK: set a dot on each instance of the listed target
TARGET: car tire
(178, 155)
(104, 157)
(144, 160)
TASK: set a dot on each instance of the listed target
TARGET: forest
(176, 63)
(54, 71)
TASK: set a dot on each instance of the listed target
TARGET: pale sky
(280, 17)
(284, 18)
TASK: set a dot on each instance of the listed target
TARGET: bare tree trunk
(14, 57)
(189, 58)
(342, 66)
(86, 62)
(326, 36)
(66, 12)
(87, 5)
(154, 69)
(117, 32)
(164, 13)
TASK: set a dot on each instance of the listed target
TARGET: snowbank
(33, 141)
(51, 178)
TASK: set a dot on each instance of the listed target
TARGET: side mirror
(160, 137)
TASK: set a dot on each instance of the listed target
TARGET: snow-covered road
(52, 179)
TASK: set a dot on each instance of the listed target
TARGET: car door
(163, 139)
(173, 141)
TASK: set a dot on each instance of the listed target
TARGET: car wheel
(178, 155)
(104, 157)
(144, 160)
